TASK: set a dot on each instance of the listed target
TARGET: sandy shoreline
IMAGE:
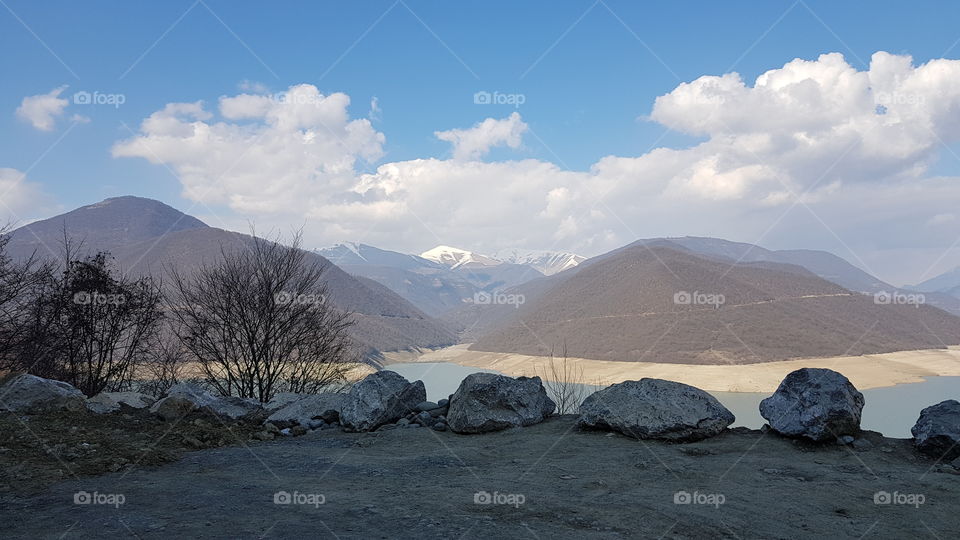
(868, 371)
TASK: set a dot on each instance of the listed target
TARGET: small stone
(862, 445)
(297, 431)
(440, 426)
(424, 419)
(192, 441)
(845, 439)
(403, 422)
(409, 426)
(426, 406)
(270, 427)
(316, 424)
(285, 431)
(443, 403)
(262, 436)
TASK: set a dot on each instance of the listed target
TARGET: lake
(891, 411)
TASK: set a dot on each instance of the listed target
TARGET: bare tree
(85, 323)
(563, 381)
(19, 285)
(165, 364)
(259, 321)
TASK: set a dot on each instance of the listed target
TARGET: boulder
(490, 402)
(31, 394)
(308, 408)
(108, 402)
(281, 400)
(816, 403)
(185, 398)
(655, 409)
(937, 431)
(381, 398)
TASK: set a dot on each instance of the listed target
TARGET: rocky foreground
(649, 458)
(550, 480)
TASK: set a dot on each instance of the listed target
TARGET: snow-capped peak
(547, 262)
(457, 258)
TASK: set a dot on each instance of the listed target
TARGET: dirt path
(548, 481)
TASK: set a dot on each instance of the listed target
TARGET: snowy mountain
(458, 258)
(547, 262)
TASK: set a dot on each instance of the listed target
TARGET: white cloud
(19, 198)
(269, 153)
(475, 142)
(848, 150)
(42, 110)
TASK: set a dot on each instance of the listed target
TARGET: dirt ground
(550, 481)
(38, 450)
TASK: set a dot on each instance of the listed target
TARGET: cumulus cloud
(815, 153)
(265, 153)
(476, 142)
(42, 110)
(19, 198)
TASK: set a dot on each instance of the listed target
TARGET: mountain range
(684, 300)
(147, 237)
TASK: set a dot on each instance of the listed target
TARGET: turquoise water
(891, 411)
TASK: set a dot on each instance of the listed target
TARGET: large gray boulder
(108, 402)
(185, 398)
(31, 394)
(324, 407)
(281, 400)
(490, 402)
(937, 431)
(816, 403)
(655, 409)
(381, 398)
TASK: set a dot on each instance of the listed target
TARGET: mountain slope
(385, 321)
(622, 307)
(458, 258)
(546, 262)
(947, 282)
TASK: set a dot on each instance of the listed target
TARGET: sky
(577, 126)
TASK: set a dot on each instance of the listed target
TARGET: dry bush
(564, 382)
(259, 321)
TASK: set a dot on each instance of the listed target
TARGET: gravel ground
(549, 481)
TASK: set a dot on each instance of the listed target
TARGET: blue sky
(589, 73)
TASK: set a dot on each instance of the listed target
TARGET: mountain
(822, 263)
(547, 262)
(428, 285)
(147, 237)
(668, 304)
(458, 258)
(947, 283)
